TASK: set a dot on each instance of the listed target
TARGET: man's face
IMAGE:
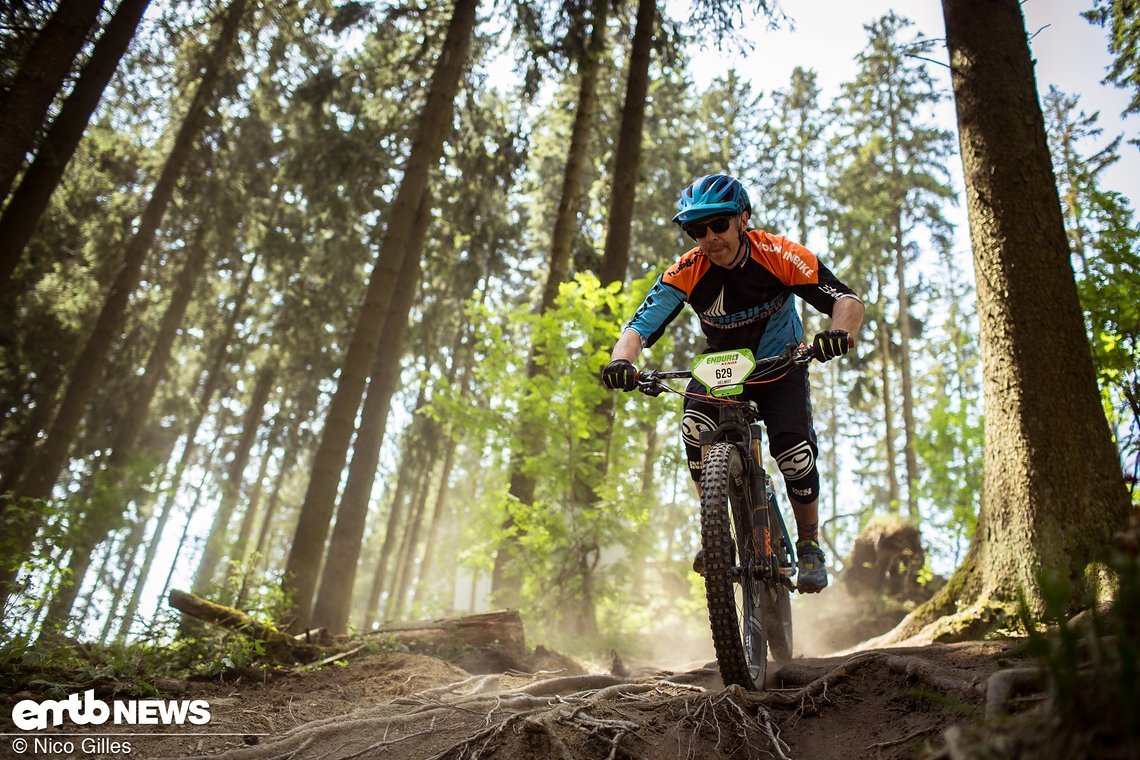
(723, 246)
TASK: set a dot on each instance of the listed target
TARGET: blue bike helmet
(711, 195)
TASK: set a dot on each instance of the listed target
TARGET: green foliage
(1092, 668)
(949, 444)
(38, 575)
(583, 539)
(55, 666)
(212, 651)
(1101, 226)
(888, 184)
(1123, 23)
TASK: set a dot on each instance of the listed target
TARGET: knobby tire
(732, 601)
(777, 597)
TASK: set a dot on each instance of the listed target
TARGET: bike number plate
(723, 373)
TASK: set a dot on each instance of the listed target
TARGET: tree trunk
(96, 523)
(278, 645)
(41, 476)
(407, 564)
(501, 630)
(213, 379)
(40, 78)
(436, 520)
(506, 582)
(409, 465)
(104, 507)
(833, 453)
(30, 199)
(651, 441)
(907, 382)
(199, 491)
(129, 427)
(288, 459)
(888, 410)
(240, 550)
(59, 610)
(907, 388)
(334, 597)
(1053, 490)
(128, 555)
(627, 161)
(303, 564)
(43, 390)
(231, 486)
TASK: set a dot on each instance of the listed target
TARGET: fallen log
(278, 646)
(501, 630)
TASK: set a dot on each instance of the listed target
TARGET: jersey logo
(681, 266)
(715, 314)
(717, 308)
(798, 263)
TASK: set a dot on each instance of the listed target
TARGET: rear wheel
(777, 597)
(736, 606)
(778, 622)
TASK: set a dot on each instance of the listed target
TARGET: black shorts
(785, 408)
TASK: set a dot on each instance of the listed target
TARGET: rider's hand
(830, 344)
(620, 374)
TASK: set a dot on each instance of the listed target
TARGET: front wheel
(736, 609)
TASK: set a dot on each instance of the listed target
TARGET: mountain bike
(748, 556)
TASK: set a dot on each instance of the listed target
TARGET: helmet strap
(743, 246)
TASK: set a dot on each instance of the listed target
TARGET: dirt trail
(879, 704)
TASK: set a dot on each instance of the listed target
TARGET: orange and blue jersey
(751, 305)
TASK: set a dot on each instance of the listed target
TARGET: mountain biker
(742, 284)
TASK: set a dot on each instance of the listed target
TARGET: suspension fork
(761, 530)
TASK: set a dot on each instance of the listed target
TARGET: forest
(305, 305)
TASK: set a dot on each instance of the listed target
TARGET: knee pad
(693, 423)
(796, 459)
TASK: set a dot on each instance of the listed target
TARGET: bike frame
(752, 558)
(739, 425)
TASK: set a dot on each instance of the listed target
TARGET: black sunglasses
(696, 230)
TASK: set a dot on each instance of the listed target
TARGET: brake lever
(648, 384)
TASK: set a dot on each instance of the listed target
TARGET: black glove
(830, 344)
(619, 374)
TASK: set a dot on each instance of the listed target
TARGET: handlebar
(650, 382)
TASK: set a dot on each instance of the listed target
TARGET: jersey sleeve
(661, 306)
(825, 291)
(799, 269)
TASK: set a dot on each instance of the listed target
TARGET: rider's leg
(807, 520)
(699, 416)
(786, 409)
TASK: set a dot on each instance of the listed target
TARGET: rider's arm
(628, 346)
(847, 314)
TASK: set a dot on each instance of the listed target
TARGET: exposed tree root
(596, 716)
(1005, 684)
(817, 688)
(915, 668)
(564, 718)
